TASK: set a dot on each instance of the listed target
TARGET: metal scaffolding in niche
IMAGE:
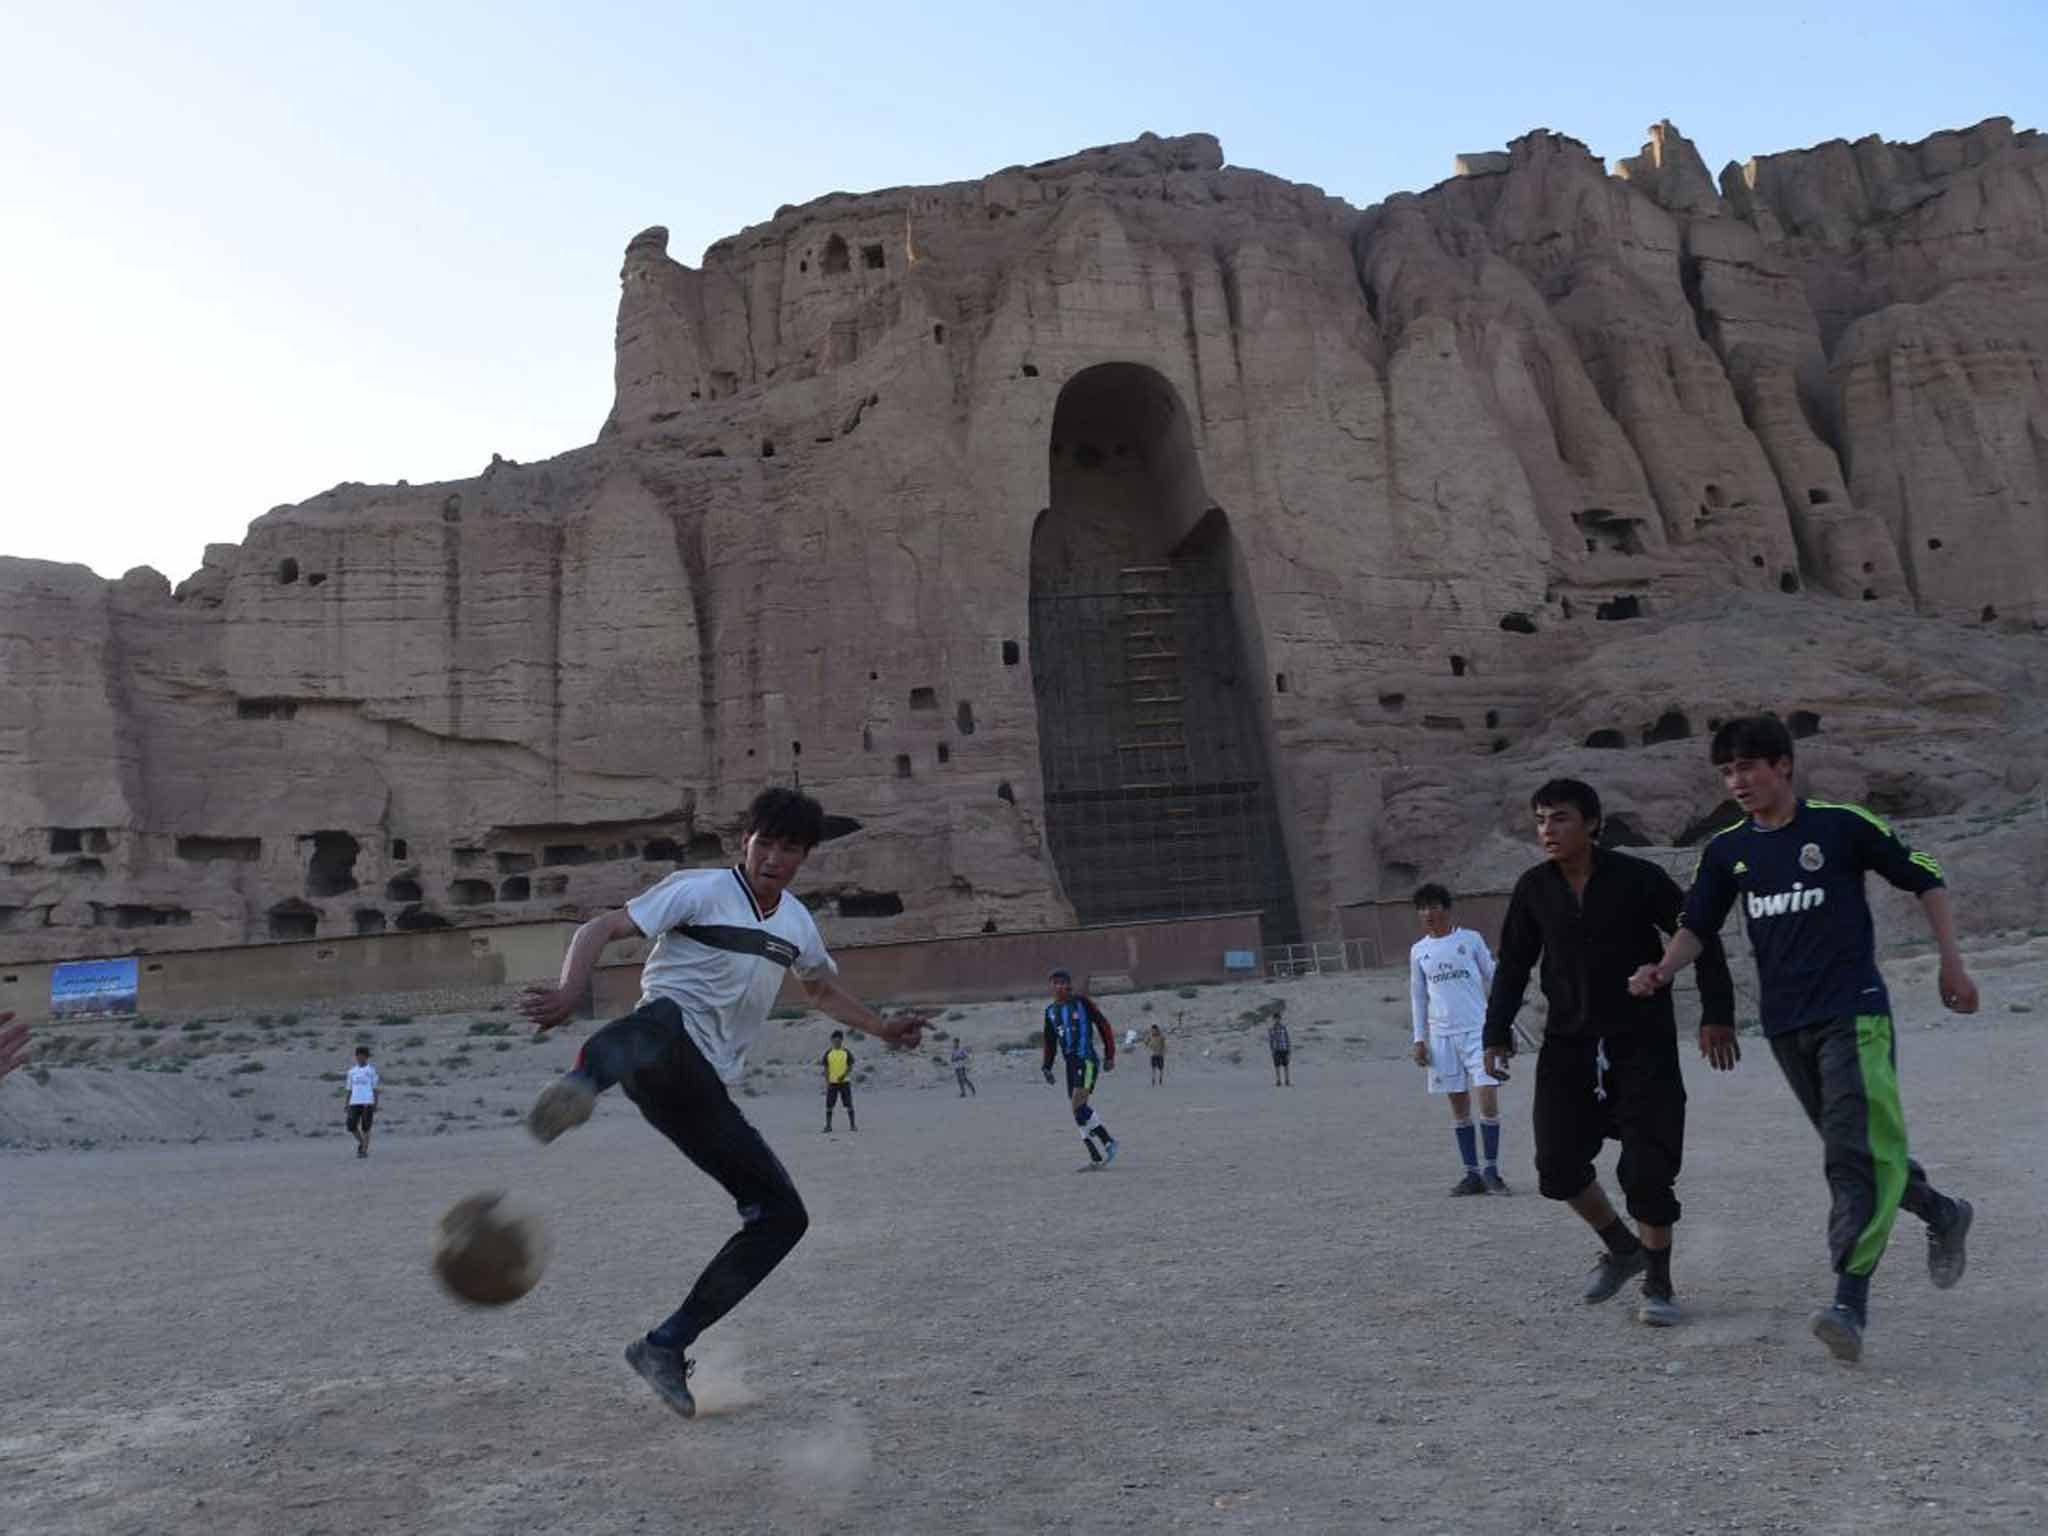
(1158, 798)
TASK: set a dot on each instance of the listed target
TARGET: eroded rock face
(1461, 457)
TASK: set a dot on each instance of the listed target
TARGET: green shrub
(246, 1066)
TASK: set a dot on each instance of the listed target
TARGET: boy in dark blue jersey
(1072, 1025)
(1797, 867)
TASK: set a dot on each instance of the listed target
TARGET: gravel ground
(1267, 1316)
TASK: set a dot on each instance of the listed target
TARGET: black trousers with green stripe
(1845, 1074)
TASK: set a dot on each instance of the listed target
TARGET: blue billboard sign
(83, 988)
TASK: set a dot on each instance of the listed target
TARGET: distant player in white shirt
(361, 1098)
(1449, 972)
(724, 939)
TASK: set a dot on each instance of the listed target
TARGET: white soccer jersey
(719, 960)
(1448, 980)
(362, 1084)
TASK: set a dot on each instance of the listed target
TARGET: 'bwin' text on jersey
(1801, 898)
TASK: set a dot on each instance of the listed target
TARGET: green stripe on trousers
(1885, 1131)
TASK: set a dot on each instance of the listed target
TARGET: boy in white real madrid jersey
(1449, 971)
(723, 941)
(1796, 868)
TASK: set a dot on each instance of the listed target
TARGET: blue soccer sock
(1489, 1136)
(1468, 1145)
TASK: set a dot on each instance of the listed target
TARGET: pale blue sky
(247, 251)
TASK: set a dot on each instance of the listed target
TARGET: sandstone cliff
(1444, 489)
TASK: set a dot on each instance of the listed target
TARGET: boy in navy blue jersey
(1072, 1025)
(1797, 868)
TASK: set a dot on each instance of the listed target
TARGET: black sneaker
(1946, 1255)
(563, 1104)
(1841, 1330)
(1495, 1184)
(1611, 1271)
(1471, 1184)
(665, 1370)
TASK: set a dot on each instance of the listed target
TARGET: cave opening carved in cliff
(1159, 793)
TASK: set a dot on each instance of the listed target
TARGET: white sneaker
(564, 1104)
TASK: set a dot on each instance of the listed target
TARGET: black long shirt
(1590, 946)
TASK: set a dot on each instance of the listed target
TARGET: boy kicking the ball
(1449, 970)
(1797, 867)
(723, 941)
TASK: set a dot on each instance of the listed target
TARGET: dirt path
(1266, 1317)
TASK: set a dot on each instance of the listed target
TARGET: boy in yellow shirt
(838, 1064)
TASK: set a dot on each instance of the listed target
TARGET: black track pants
(1845, 1074)
(651, 1057)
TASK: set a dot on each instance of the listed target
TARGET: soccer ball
(488, 1251)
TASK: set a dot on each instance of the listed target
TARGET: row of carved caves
(483, 878)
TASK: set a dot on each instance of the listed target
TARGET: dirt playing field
(1267, 1316)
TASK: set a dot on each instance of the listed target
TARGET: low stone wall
(260, 975)
(972, 968)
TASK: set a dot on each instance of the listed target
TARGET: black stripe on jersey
(740, 941)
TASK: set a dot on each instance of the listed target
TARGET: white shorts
(1457, 1063)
